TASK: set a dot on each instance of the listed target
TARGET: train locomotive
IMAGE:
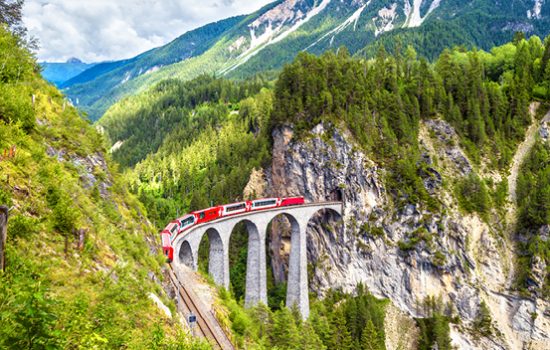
(184, 223)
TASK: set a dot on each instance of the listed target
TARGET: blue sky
(99, 30)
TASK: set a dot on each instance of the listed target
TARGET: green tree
(483, 323)
(341, 337)
(309, 339)
(370, 339)
(284, 334)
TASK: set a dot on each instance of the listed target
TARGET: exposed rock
(401, 331)
(52, 152)
(448, 140)
(89, 167)
(256, 186)
(457, 258)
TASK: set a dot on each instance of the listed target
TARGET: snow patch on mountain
(535, 12)
(414, 19)
(275, 23)
(354, 18)
(384, 21)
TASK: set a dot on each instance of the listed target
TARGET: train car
(235, 208)
(186, 222)
(265, 203)
(166, 236)
(206, 215)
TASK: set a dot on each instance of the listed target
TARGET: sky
(100, 30)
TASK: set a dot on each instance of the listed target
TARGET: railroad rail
(206, 322)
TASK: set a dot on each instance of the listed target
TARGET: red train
(179, 226)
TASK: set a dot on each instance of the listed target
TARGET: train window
(201, 215)
(235, 207)
(187, 221)
(174, 229)
(265, 203)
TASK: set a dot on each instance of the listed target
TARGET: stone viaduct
(186, 248)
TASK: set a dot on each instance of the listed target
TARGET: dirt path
(519, 157)
(511, 213)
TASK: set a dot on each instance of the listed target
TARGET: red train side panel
(292, 201)
(208, 214)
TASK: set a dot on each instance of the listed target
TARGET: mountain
(265, 40)
(443, 170)
(58, 73)
(95, 89)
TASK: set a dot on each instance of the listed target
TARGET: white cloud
(99, 30)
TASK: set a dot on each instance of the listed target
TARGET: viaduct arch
(219, 231)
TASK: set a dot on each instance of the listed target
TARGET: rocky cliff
(406, 254)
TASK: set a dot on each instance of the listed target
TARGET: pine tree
(309, 338)
(483, 322)
(441, 331)
(285, 333)
(321, 324)
(370, 338)
(341, 337)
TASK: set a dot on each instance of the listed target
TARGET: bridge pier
(297, 284)
(218, 264)
(256, 285)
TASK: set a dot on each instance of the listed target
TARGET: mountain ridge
(268, 38)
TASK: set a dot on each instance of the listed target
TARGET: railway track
(206, 322)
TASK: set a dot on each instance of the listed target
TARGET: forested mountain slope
(273, 36)
(81, 264)
(422, 153)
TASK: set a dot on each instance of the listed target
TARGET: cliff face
(456, 258)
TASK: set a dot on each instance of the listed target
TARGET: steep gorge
(461, 263)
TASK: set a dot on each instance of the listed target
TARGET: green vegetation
(483, 324)
(173, 112)
(204, 152)
(533, 196)
(340, 321)
(434, 329)
(472, 195)
(58, 290)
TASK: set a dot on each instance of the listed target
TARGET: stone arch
(186, 255)
(324, 215)
(280, 225)
(255, 289)
(297, 290)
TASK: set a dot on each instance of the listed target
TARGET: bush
(20, 226)
(473, 196)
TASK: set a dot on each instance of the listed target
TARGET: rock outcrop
(405, 254)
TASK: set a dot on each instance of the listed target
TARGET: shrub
(472, 195)
(20, 226)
